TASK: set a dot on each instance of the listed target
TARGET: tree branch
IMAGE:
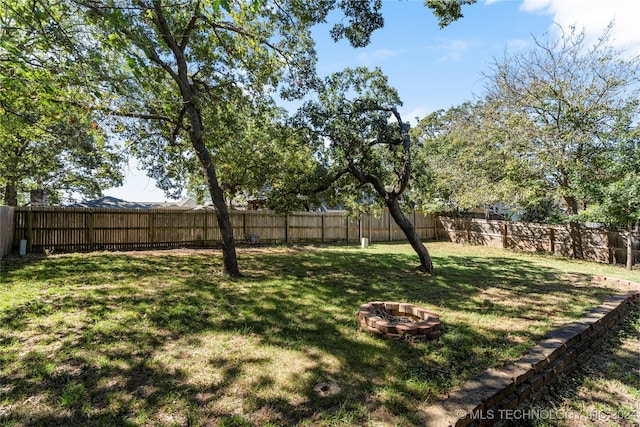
(166, 35)
(368, 179)
(405, 174)
(186, 34)
(144, 116)
(228, 26)
(145, 45)
(178, 123)
(327, 185)
(320, 188)
(117, 112)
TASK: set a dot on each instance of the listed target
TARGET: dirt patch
(202, 251)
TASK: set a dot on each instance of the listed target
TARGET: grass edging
(492, 396)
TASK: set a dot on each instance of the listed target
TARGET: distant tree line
(555, 135)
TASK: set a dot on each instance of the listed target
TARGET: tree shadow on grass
(517, 288)
(123, 340)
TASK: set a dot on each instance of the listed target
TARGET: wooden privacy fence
(599, 245)
(6, 229)
(84, 229)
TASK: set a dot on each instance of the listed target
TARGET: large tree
(552, 123)
(173, 59)
(463, 161)
(63, 152)
(184, 56)
(44, 141)
(458, 164)
(560, 105)
(614, 198)
(159, 63)
(355, 121)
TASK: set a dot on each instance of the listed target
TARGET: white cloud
(375, 57)
(517, 44)
(594, 16)
(535, 5)
(454, 50)
(419, 112)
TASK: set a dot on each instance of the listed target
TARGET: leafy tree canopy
(565, 102)
(355, 123)
(447, 11)
(160, 69)
(558, 122)
(48, 138)
(614, 199)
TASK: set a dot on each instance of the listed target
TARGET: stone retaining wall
(485, 399)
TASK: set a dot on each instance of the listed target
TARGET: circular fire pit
(394, 319)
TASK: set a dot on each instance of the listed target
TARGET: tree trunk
(192, 111)
(229, 258)
(630, 246)
(10, 194)
(410, 232)
(574, 229)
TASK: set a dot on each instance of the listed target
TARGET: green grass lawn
(160, 338)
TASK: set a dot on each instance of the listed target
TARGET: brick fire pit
(394, 319)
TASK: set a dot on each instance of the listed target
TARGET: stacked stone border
(489, 397)
(372, 317)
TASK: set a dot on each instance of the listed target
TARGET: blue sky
(435, 68)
